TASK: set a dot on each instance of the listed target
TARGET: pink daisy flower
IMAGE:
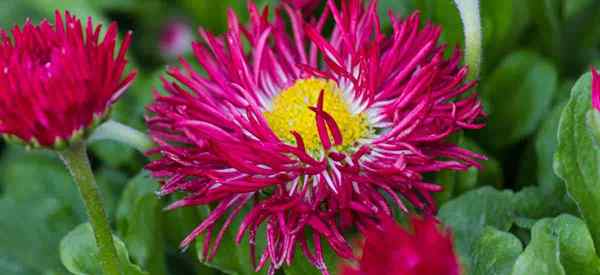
(56, 81)
(390, 249)
(313, 132)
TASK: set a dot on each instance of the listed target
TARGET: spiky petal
(57, 80)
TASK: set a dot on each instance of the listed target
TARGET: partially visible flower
(310, 133)
(57, 81)
(595, 89)
(390, 249)
(175, 39)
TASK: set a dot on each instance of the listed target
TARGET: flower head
(57, 80)
(175, 39)
(310, 132)
(390, 249)
(595, 89)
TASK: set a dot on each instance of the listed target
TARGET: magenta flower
(595, 89)
(389, 249)
(310, 131)
(58, 80)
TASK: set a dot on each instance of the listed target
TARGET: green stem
(76, 159)
(112, 130)
(469, 13)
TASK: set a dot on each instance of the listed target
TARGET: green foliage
(469, 214)
(578, 158)
(500, 259)
(562, 245)
(78, 253)
(518, 94)
(139, 221)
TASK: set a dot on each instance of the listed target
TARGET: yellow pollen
(290, 112)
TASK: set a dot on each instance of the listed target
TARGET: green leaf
(139, 219)
(577, 160)
(495, 252)
(540, 256)
(468, 215)
(562, 245)
(518, 94)
(78, 252)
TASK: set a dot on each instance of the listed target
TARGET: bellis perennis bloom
(389, 249)
(58, 80)
(310, 133)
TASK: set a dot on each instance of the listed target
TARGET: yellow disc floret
(290, 112)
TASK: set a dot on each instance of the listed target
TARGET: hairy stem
(76, 159)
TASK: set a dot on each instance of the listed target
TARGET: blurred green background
(534, 50)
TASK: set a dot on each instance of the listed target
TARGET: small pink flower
(175, 39)
(58, 80)
(307, 133)
(390, 249)
(595, 89)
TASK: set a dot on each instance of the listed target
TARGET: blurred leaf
(112, 182)
(547, 16)
(577, 160)
(495, 252)
(468, 215)
(16, 12)
(573, 7)
(397, 7)
(37, 174)
(139, 219)
(31, 231)
(518, 94)
(81, 9)
(212, 15)
(113, 4)
(79, 253)
(545, 147)
(562, 245)
(502, 22)
(490, 172)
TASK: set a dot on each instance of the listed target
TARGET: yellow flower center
(290, 112)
